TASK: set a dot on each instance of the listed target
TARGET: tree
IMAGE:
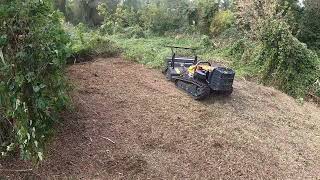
(84, 11)
(206, 10)
(248, 12)
(310, 28)
(293, 12)
(157, 19)
(61, 5)
(221, 22)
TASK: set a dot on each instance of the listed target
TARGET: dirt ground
(130, 123)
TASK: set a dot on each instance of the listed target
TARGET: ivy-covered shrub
(272, 52)
(32, 87)
(287, 63)
(278, 59)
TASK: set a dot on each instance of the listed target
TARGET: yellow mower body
(192, 69)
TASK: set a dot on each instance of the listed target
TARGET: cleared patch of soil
(130, 123)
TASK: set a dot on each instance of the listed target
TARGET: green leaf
(36, 89)
(41, 104)
(40, 156)
(30, 76)
(2, 58)
(3, 40)
(19, 80)
(42, 86)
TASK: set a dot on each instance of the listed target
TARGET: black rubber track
(198, 91)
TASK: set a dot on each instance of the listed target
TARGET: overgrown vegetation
(151, 51)
(278, 58)
(86, 44)
(33, 87)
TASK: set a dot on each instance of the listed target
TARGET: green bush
(134, 32)
(160, 19)
(206, 42)
(244, 53)
(152, 51)
(238, 48)
(278, 59)
(32, 88)
(287, 63)
(222, 21)
(87, 44)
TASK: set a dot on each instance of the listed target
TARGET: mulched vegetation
(130, 123)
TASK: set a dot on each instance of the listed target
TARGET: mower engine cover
(221, 79)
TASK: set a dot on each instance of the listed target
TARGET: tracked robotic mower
(198, 78)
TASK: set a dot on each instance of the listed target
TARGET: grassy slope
(152, 51)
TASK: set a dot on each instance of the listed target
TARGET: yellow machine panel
(193, 68)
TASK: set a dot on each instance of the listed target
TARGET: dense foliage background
(274, 42)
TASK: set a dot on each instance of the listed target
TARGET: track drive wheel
(202, 92)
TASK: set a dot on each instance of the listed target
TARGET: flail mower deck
(198, 78)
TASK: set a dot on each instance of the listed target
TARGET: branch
(107, 139)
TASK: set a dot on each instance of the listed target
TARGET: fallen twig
(108, 139)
